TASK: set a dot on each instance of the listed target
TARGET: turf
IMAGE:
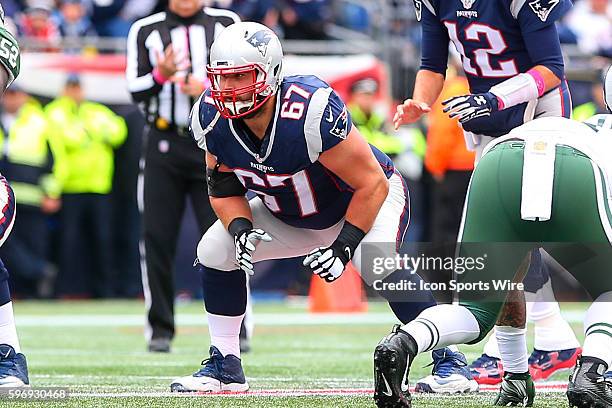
(97, 351)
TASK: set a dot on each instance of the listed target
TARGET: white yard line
(554, 387)
(263, 319)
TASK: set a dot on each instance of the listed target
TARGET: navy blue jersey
(284, 171)
(497, 39)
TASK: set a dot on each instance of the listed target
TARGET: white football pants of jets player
(551, 330)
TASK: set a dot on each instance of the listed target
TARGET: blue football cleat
(450, 374)
(13, 368)
(218, 374)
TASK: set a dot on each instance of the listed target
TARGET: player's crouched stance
(510, 199)
(322, 191)
(13, 366)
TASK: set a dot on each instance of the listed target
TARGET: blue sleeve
(537, 14)
(544, 49)
(336, 122)
(435, 40)
(201, 116)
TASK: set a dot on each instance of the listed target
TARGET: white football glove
(246, 242)
(328, 262)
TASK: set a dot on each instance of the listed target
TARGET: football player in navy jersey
(512, 59)
(322, 191)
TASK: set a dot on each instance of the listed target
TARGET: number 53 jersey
(284, 171)
(497, 39)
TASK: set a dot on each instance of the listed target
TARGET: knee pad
(216, 250)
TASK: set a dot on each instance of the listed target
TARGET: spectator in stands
(36, 24)
(73, 20)
(88, 133)
(305, 19)
(372, 124)
(450, 164)
(27, 162)
(113, 18)
(262, 11)
(591, 22)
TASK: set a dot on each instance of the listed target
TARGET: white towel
(538, 175)
(472, 140)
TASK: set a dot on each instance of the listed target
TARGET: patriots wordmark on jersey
(284, 171)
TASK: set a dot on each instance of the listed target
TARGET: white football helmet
(245, 48)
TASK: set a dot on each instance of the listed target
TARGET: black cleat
(517, 390)
(392, 359)
(588, 387)
(159, 345)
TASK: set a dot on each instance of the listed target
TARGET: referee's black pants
(174, 169)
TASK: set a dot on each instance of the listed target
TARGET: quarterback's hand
(468, 107)
(246, 242)
(409, 112)
(328, 263)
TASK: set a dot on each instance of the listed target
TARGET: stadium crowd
(67, 201)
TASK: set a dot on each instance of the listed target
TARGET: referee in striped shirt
(167, 55)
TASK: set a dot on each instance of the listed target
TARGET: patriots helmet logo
(260, 40)
(418, 7)
(341, 125)
(468, 3)
(542, 8)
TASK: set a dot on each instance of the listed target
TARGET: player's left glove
(468, 107)
(330, 262)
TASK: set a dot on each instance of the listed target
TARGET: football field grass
(97, 351)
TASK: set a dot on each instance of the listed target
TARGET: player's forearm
(551, 80)
(428, 86)
(524, 87)
(366, 204)
(229, 208)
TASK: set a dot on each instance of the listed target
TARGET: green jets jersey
(9, 54)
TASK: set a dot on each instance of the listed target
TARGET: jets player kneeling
(13, 367)
(321, 190)
(510, 199)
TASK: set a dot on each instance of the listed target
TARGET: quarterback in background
(13, 366)
(322, 191)
(512, 59)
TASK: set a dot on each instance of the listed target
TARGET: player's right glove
(246, 239)
(468, 107)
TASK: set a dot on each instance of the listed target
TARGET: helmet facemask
(230, 101)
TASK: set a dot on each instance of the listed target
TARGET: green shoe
(516, 390)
